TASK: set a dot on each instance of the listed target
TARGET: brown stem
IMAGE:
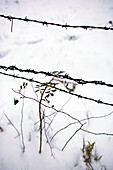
(40, 114)
(40, 118)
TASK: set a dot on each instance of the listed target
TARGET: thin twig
(34, 91)
(70, 124)
(45, 130)
(57, 111)
(96, 133)
(72, 137)
(12, 125)
(21, 126)
(51, 120)
(55, 114)
(97, 117)
(40, 118)
(60, 111)
(62, 129)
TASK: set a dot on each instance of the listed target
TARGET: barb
(65, 76)
(45, 23)
(84, 97)
(12, 25)
(73, 94)
(20, 77)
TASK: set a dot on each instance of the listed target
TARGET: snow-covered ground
(88, 55)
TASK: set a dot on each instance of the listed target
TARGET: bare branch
(97, 117)
(55, 113)
(72, 137)
(21, 125)
(67, 114)
(62, 129)
(70, 124)
(60, 111)
(96, 133)
(45, 130)
(34, 91)
(12, 125)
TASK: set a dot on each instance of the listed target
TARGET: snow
(85, 54)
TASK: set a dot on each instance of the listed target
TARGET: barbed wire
(59, 89)
(45, 23)
(62, 76)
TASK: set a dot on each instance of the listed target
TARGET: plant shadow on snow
(71, 37)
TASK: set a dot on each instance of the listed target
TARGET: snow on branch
(45, 23)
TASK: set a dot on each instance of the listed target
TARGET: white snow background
(89, 55)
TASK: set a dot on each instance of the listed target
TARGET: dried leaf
(40, 92)
(100, 157)
(15, 101)
(1, 129)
